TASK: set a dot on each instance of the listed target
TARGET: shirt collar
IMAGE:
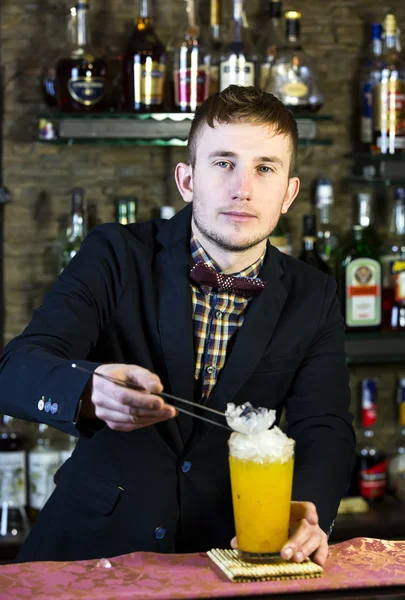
(198, 254)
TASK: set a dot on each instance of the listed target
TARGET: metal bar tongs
(134, 386)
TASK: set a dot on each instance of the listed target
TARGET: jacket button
(160, 533)
(186, 466)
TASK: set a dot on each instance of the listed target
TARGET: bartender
(159, 304)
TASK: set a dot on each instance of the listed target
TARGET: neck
(228, 261)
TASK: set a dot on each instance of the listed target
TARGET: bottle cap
(400, 193)
(376, 31)
(390, 24)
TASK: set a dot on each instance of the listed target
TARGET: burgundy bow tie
(244, 286)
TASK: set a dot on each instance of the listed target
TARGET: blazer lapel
(175, 311)
(253, 337)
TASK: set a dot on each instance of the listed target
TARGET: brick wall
(40, 177)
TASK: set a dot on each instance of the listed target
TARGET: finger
(301, 535)
(321, 555)
(116, 416)
(146, 379)
(126, 400)
(306, 549)
(234, 543)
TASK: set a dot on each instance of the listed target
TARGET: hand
(123, 409)
(307, 537)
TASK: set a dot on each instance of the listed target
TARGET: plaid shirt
(217, 316)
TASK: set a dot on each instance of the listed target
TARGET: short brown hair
(244, 105)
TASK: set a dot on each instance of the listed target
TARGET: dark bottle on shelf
(48, 70)
(396, 464)
(327, 236)
(77, 227)
(215, 44)
(371, 461)
(359, 274)
(309, 253)
(81, 78)
(393, 260)
(369, 77)
(144, 65)
(14, 523)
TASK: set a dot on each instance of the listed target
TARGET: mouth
(236, 215)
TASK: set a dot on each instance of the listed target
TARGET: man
(143, 477)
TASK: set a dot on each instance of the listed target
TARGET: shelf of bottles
(150, 94)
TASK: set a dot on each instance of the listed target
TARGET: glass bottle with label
(77, 227)
(310, 253)
(389, 95)
(293, 77)
(371, 461)
(14, 523)
(191, 65)
(43, 462)
(81, 78)
(280, 237)
(369, 77)
(328, 239)
(238, 64)
(48, 70)
(393, 260)
(144, 65)
(271, 41)
(360, 283)
(215, 43)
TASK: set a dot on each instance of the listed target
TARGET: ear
(184, 181)
(291, 194)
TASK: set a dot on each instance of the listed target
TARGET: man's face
(240, 184)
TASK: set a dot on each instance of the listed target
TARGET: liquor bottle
(328, 239)
(81, 78)
(280, 237)
(126, 210)
(270, 42)
(14, 523)
(144, 65)
(309, 252)
(360, 283)
(389, 96)
(191, 65)
(48, 70)
(214, 46)
(293, 77)
(77, 227)
(396, 463)
(371, 462)
(370, 75)
(238, 65)
(393, 260)
(43, 462)
(364, 216)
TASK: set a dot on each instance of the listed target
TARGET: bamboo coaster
(239, 571)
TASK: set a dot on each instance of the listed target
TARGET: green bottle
(360, 283)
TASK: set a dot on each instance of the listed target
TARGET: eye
(265, 169)
(223, 164)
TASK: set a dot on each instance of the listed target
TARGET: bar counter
(358, 568)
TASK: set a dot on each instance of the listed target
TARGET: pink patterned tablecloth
(357, 563)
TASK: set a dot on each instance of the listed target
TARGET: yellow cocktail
(261, 494)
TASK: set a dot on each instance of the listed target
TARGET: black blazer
(126, 298)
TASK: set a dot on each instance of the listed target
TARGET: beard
(225, 242)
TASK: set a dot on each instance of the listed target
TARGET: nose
(243, 186)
